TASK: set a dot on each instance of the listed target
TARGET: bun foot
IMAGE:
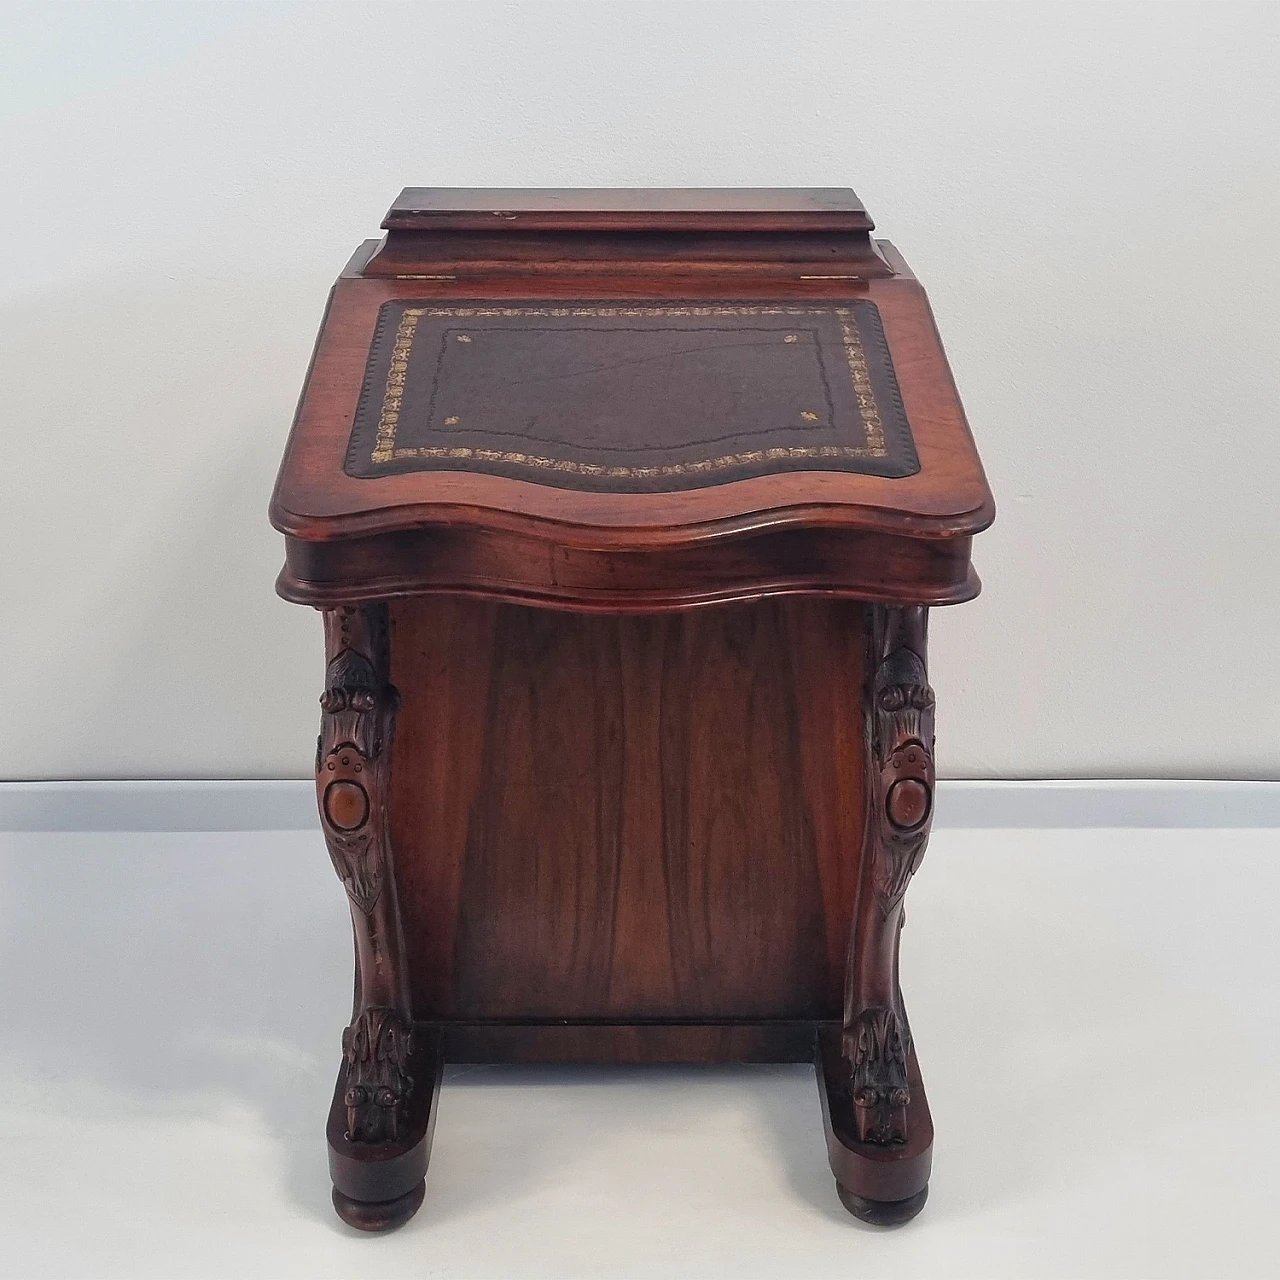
(882, 1213)
(379, 1215)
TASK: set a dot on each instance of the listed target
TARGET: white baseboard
(278, 804)
(1108, 802)
(289, 805)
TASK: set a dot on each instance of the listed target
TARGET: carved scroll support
(353, 774)
(876, 1039)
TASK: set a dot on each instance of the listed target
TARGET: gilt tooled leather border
(883, 447)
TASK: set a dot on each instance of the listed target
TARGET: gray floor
(1094, 1010)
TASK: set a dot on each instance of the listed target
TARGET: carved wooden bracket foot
(879, 1182)
(378, 1177)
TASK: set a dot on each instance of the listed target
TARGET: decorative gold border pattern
(385, 447)
(868, 410)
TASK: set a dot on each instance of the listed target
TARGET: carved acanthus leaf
(903, 737)
(359, 867)
(355, 728)
(877, 1046)
(376, 1049)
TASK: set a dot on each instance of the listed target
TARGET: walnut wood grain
(619, 817)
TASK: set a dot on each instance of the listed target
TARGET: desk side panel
(627, 817)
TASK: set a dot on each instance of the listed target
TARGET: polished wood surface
(562, 234)
(506, 537)
(604, 208)
(577, 818)
(627, 818)
(498, 565)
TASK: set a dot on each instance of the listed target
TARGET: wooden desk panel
(627, 818)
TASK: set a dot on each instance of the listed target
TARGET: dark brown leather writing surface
(636, 399)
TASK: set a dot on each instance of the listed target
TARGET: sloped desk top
(567, 416)
(618, 398)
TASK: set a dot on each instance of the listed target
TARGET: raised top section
(637, 209)
(766, 233)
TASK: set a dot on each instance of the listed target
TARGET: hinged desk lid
(648, 381)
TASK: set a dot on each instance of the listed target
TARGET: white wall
(1090, 194)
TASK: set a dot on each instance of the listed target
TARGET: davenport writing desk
(625, 511)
